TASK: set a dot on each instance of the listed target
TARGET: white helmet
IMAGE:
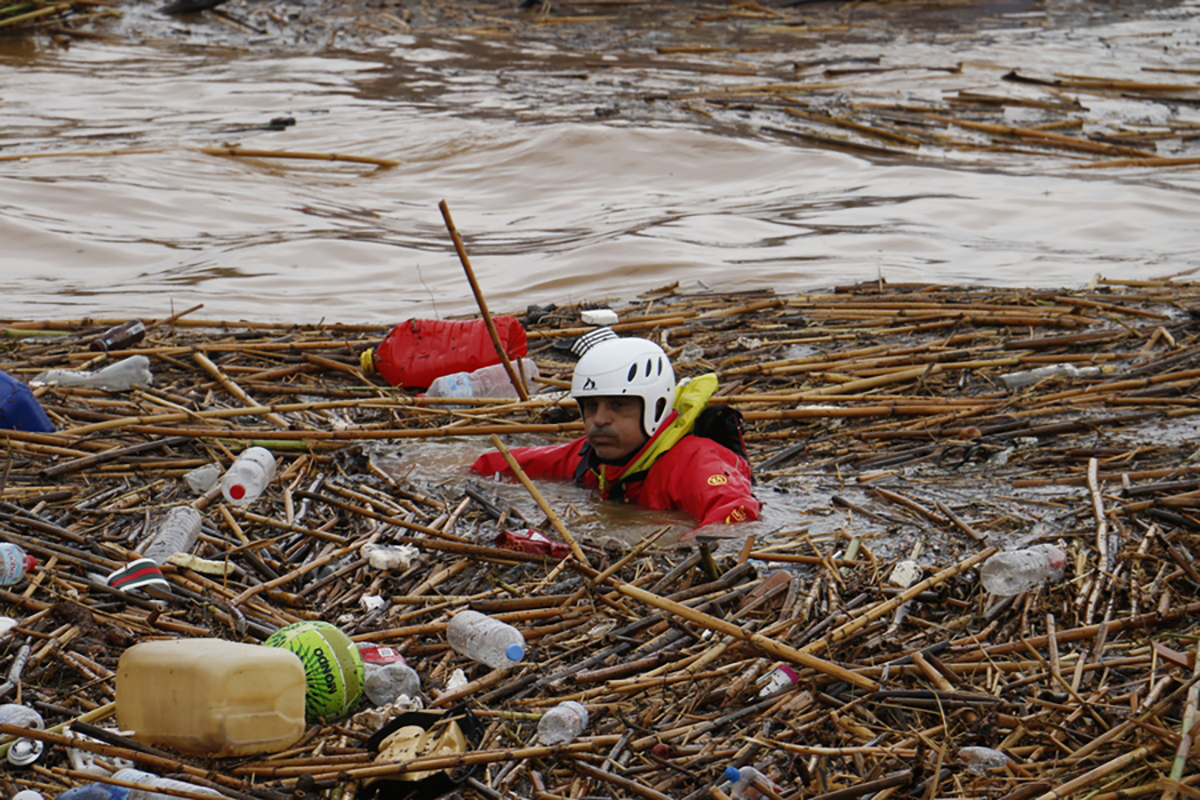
(635, 367)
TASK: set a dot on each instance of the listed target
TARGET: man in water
(646, 440)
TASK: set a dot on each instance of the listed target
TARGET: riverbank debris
(882, 432)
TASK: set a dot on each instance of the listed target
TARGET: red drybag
(419, 351)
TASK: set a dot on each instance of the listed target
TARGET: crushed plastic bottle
(396, 558)
(489, 381)
(249, 475)
(119, 377)
(386, 682)
(562, 723)
(1017, 380)
(203, 478)
(981, 759)
(489, 641)
(1016, 571)
(177, 533)
(742, 782)
(15, 563)
(150, 779)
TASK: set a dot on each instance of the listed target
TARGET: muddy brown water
(581, 160)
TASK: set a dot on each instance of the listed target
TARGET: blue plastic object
(19, 409)
(95, 791)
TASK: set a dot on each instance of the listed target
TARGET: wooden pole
(517, 380)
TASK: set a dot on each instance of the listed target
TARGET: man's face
(613, 425)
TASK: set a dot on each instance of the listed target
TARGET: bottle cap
(733, 774)
(515, 652)
(24, 752)
(30, 562)
(367, 361)
(237, 491)
(786, 670)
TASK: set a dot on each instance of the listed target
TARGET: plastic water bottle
(19, 409)
(562, 723)
(489, 641)
(249, 475)
(150, 779)
(781, 677)
(14, 563)
(1016, 571)
(743, 779)
(177, 533)
(119, 377)
(28, 794)
(981, 759)
(1016, 380)
(490, 381)
(385, 682)
(124, 335)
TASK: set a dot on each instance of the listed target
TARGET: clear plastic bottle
(28, 794)
(562, 723)
(981, 759)
(742, 780)
(203, 478)
(119, 377)
(177, 533)
(489, 641)
(1016, 571)
(249, 475)
(150, 779)
(385, 682)
(1016, 380)
(15, 563)
(490, 381)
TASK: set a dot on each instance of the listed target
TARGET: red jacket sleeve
(705, 479)
(556, 461)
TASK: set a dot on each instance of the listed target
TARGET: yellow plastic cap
(367, 360)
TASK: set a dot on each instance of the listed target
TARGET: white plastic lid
(515, 652)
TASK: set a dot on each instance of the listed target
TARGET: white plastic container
(486, 640)
(490, 381)
(385, 682)
(18, 714)
(396, 558)
(119, 377)
(742, 780)
(211, 697)
(248, 475)
(981, 759)
(15, 563)
(1016, 571)
(562, 723)
(177, 533)
(150, 779)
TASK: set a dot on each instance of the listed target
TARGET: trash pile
(978, 579)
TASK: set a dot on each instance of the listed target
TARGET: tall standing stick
(517, 380)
